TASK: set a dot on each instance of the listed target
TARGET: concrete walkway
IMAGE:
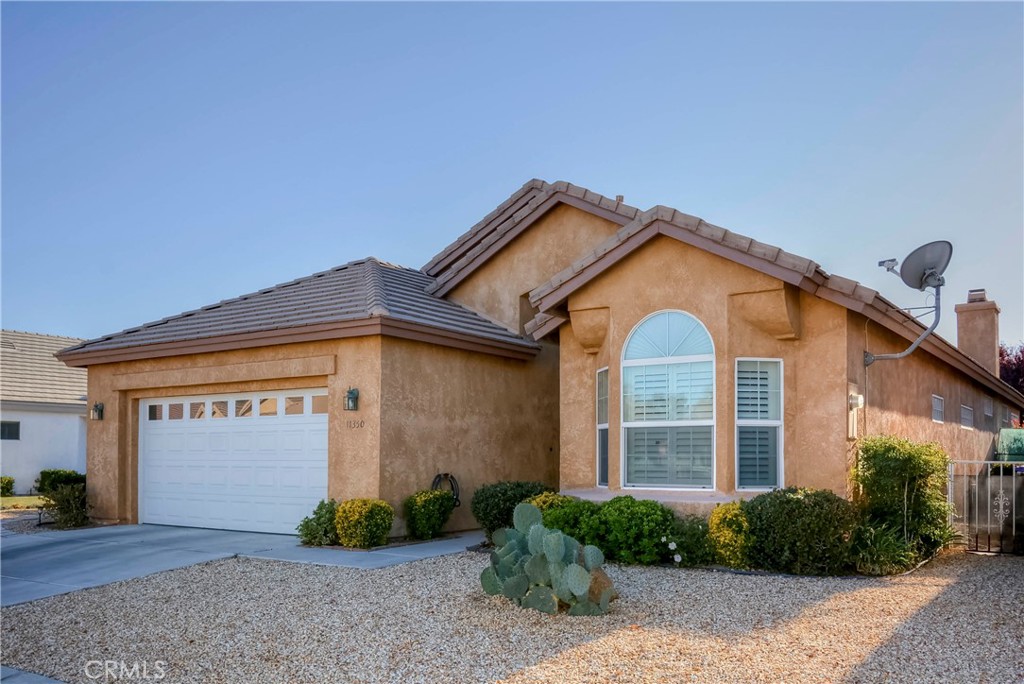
(34, 566)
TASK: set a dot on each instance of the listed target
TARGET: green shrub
(546, 570)
(902, 485)
(493, 504)
(320, 529)
(67, 505)
(49, 480)
(546, 500)
(6, 486)
(880, 550)
(800, 531)
(729, 534)
(427, 511)
(689, 545)
(363, 523)
(576, 518)
(630, 531)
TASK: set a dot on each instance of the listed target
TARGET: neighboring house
(42, 408)
(567, 337)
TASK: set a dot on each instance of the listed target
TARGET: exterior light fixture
(352, 399)
(96, 412)
(856, 401)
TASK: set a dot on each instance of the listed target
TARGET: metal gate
(987, 500)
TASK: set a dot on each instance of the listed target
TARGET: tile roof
(359, 290)
(473, 248)
(29, 371)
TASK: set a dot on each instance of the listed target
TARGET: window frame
(749, 422)
(16, 426)
(970, 410)
(666, 361)
(601, 426)
(942, 409)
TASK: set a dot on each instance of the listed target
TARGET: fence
(987, 500)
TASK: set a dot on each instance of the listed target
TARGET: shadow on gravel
(972, 631)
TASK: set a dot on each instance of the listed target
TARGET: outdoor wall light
(856, 401)
(96, 412)
(352, 399)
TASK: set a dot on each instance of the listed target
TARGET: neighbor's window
(988, 407)
(966, 417)
(938, 408)
(668, 395)
(10, 429)
(602, 427)
(758, 423)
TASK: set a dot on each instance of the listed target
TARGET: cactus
(526, 516)
(536, 543)
(537, 570)
(578, 580)
(592, 557)
(489, 580)
(554, 546)
(542, 599)
(545, 570)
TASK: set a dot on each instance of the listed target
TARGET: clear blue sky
(160, 157)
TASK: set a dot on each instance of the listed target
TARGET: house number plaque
(354, 424)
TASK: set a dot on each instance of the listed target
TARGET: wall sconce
(96, 412)
(856, 401)
(352, 399)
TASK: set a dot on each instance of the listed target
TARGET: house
(42, 408)
(567, 337)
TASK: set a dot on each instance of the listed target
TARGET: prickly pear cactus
(545, 570)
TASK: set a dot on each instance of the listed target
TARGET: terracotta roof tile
(357, 290)
(30, 372)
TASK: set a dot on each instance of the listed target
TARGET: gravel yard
(958, 619)
(22, 521)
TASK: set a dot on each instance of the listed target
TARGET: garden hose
(452, 482)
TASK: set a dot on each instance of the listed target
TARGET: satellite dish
(925, 265)
(921, 269)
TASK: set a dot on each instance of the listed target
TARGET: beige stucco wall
(479, 417)
(667, 274)
(898, 395)
(112, 444)
(551, 244)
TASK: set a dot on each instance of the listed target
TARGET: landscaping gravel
(957, 619)
(22, 521)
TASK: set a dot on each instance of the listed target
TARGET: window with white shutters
(758, 423)
(668, 399)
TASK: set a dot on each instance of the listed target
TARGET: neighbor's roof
(511, 218)
(550, 297)
(362, 297)
(29, 372)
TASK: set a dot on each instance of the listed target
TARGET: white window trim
(767, 423)
(664, 361)
(942, 402)
(971, 409)
(600, 426)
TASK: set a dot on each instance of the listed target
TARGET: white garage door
(254, 461)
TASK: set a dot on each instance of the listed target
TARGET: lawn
(9, 502)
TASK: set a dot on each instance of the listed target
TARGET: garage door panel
(216, 469)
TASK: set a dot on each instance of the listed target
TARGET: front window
(602, 427)
(10, 429)
(668, 397)
(758, 423)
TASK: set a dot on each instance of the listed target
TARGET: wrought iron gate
(988, 505)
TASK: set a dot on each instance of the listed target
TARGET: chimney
(977, 330)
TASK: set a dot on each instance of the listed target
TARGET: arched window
(668, 403)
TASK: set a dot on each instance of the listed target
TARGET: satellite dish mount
(923, 268)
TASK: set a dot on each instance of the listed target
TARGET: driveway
(45, 564)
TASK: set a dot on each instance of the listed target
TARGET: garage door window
(268, 407)
(175, 411)
(293, 406)
(197, 410)
(156, 412)
(243, 408)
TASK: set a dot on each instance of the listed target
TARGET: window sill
(666, 496)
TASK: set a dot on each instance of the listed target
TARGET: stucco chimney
(977, 330)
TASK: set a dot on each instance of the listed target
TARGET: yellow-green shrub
(546, 500)
(729, 532)
(363, 523)
(427, 511)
